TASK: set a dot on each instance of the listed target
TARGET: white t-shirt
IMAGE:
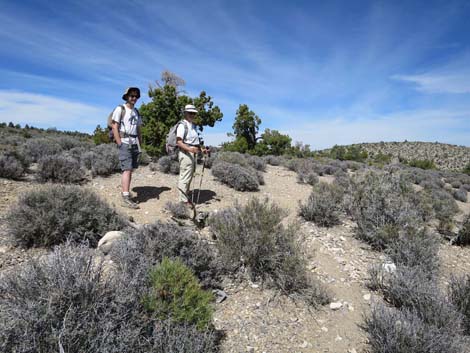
(129, 123)
(192, 138)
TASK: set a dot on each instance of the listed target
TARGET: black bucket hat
(129, 90)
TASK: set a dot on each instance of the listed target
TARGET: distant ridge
(445, 156)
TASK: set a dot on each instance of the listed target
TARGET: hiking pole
(202, 176)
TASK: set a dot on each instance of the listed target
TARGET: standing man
(189, 145)
(128, 136)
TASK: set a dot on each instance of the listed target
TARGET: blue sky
(324, 72)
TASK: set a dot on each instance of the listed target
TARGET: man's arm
(185, 147)
(116, 134)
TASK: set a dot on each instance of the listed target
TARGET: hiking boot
(127, 202)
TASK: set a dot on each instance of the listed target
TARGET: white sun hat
(190, 108)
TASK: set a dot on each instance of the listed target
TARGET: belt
(125, 135)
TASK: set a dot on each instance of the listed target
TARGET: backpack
(171, 146)
(110, 122)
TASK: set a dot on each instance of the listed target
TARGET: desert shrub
(412, 288)
(383, 204)
(144, 158)
(251, 238)
(10, 167)
(159, 240)
(184, 338)
(37, 148)
(445, 208)
(76, 152)
(177, 209)
(459, 295)
(68, 301)
(323, 205)
(391, 330)
(307, 177)
(50, 214)
(456, 184)
(243, 160)
(273, 160)
(102, 160)
(168, 165)
(176, 294)
(59, 169)
(68, 142)
(460, 194)
(415, 248)
(257, 162)
(235, 176)
(463, 236)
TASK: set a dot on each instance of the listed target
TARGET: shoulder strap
(186, 129)
(123, 112)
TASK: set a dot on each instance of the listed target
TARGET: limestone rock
(105, 244)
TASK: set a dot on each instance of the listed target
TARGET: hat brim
(191, 111)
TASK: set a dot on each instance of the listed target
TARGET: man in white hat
(187, 139)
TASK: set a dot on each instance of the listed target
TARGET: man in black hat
(128, 136)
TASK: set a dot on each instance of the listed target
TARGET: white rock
(105, 244)
(336, 305)
(389, 267)
(366, 296)
(338, 338)
(3, 249)
(324, 329)
(352, 350)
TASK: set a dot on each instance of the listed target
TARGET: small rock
(304, 344)
(338, 338)
(352, 350)
(324, 329)
(335, 305)
(253, 285)
(250, 349)
(366, 296)
(106, 242)
(220, 295)
(389, 267)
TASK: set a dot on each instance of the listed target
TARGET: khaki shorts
(128, 156)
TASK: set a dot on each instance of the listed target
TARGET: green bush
(176, 294)
(422, 164)
(51, 214)
(323, 205)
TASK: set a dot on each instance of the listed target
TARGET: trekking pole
(202, 175)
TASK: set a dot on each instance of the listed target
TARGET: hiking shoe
(127, 202)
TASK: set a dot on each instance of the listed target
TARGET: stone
(367, 296)
(106, 242)
(336, 305)
(324, 329)
(389, 267)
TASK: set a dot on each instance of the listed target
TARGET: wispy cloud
(45, 111)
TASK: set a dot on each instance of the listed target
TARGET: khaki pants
(187, 163)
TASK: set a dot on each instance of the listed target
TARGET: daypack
(110, 122)
(171, 146)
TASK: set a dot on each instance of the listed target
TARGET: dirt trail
(257, 319)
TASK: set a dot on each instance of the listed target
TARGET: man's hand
(193, 149)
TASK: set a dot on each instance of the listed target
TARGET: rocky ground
(256, 319)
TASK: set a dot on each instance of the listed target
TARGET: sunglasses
(133, 96)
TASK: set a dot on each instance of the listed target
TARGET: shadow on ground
(145, 193)
(205, 196)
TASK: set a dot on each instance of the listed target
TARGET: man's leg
(125, 157)
(186, 174)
